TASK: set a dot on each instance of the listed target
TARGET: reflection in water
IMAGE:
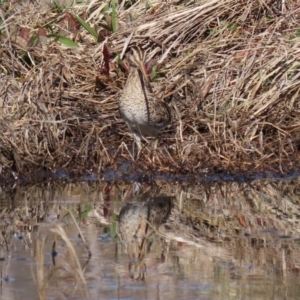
(137, 223)
(213, 241)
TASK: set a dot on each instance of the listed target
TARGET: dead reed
(228, 69)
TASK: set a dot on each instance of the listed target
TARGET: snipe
(144, 113)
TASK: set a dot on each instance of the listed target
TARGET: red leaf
(24, 33)
(106, 55)
(72, 24)
(42, 32)
(102, 34)
(242, 220)
(148, 66)
(83, 16)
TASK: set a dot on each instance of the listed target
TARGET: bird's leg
(137, 139)
(154, 147)
(154, 144)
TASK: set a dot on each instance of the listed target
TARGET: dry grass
(229, 70)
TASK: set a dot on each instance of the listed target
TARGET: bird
(143, 111)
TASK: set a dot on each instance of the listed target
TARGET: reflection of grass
(114, 226)
(39, 278)
(83, 214)
(210, 216)
(67, 268)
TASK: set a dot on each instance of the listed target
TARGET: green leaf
(58, 6)
(149, 3)
(84, 24)
(33, 40)
(88, 208)
(114, 22)
(233, 27)
(64, 41)
(105, 8)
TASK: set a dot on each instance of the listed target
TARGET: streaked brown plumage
(144, 113)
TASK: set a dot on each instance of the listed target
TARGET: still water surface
(219, 241)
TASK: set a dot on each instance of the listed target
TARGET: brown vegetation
(228, 69)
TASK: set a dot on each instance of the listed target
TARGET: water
(212, 241)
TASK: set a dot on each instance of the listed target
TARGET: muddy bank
(11, 179)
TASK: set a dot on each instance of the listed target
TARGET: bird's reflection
(137, 223)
